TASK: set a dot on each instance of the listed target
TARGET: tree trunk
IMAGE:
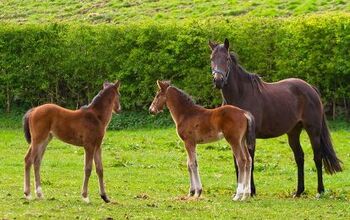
(8, 101)
(333, 109)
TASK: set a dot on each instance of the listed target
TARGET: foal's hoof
(105, 198)
(245, 196)
(39, 193)
(86, 199)
(237, 197)
(191, 193)
(27, 196)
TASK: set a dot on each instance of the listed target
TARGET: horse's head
(220, 63)
(160, 98)
(115, 89)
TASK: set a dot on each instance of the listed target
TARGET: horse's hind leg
(252, 184)
(37, 157)
(315, 139)
(27, 165)
(294, 143)
(99, 171)
(247, 172)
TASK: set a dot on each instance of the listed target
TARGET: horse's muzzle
(152, 111)
(218, 83)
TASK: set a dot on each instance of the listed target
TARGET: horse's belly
(209, 137)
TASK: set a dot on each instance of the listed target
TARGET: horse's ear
(212, 45)
(226, 44)
(163, 85)
(105, 84)
(117, 84)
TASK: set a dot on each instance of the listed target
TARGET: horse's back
(285, 103)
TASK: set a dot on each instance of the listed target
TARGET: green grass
(146, 175)
(113, 11)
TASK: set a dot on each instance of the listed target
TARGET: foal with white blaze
(197, 125)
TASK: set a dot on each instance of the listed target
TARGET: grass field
(120, 11)
(146, 177)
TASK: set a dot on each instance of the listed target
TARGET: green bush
(67, 63)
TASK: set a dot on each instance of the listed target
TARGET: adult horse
(84, 127)
(283, 107)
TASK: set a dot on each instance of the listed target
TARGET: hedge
(66, 63)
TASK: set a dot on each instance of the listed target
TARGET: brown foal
(197, 125)
(84, 127)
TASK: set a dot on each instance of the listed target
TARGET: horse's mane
(98, 98)
(254, 78)
(184, 96)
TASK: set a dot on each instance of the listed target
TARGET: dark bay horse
(197, 125)
(283, 107)
(84, 127)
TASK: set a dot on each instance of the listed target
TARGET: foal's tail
(250, 133)
(330, 160)
(26, 126)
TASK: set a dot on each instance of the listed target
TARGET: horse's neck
(103, 109)
(178, 106)
(239, 88)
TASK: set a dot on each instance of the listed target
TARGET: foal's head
(160, 98)
(220, 63)
(114, 87)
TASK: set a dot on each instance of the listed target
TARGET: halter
(225, 75)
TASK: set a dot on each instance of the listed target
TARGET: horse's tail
(26, 128)
(330, 160)
(250, 133)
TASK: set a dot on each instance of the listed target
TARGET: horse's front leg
(89, 154)
(99, 171)
(192, 165)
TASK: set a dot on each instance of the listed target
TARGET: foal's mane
(98, 98)
(254, 78)
(187, 99)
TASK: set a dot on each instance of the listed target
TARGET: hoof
(245, 196)
(191, 193)
(105, 198)
(237, 197)
(198, 193)
(319, 195)
(296, 195)
(86, 199)
(39, 193)
(27, 196)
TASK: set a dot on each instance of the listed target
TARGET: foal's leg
(294, 143)
(89, 154)
(240, 167)
(27, 165)
(247, 171)
(99, 171)
(196, 185)
(37, 163)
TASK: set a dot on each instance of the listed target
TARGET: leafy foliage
(67, 63)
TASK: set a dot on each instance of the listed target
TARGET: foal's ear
(163, 85)
(212, 45)
(105, 84)
(117, 84)
(226, 44)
